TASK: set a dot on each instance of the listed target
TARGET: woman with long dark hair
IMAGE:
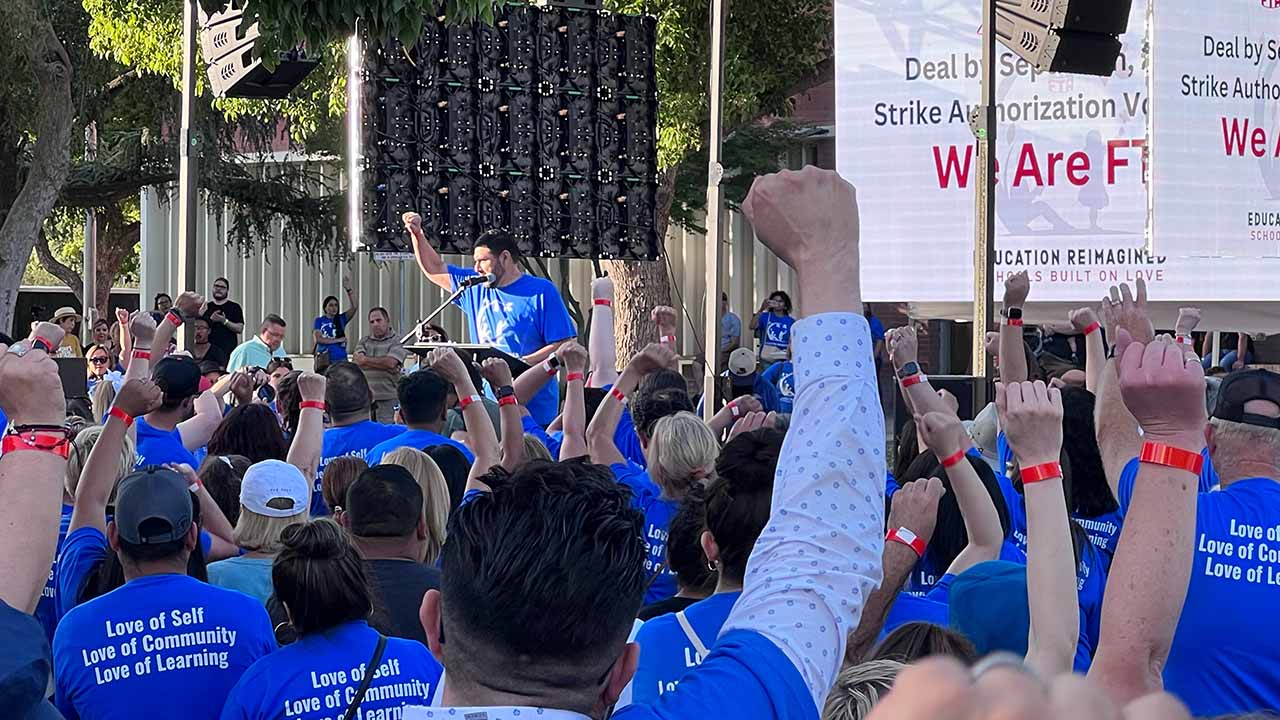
(320, 580)
(330, 331)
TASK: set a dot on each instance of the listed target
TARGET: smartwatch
(911, 368)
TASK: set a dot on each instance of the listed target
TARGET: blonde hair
(859, 687)
(259, 533)
(535, 449)
(435, 494)
(682, 451)
(104, 396)
(79, 455)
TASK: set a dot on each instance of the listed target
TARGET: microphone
(477, 280)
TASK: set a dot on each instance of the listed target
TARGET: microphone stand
(417, 329)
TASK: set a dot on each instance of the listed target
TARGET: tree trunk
(640, 286)
(116, 240)
(50, 162)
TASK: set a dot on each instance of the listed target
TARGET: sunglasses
(99, 361)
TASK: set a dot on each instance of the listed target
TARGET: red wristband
(1042, 472)
(174, 318)
(43, 442)
(125, 417)
(549, 368)
(464, 403)
(602, 301)
(910, 380)
(39, 343)
(667, 339)
(1185, 340)
(1093, 327)
(908, 538)
(1170, 456)
(316, 404)
(617, 394)
(1014, 322)
(575, 376)
(953, 460)
(735, 410)
(508, 400)
(142, 354)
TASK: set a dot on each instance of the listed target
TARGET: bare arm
(917, 511)
(482, 437)
(308, 439)
(498, 374)
(575, 404)
(945, 436)
(196, 431)
(125, 340)
(1165, 391)
(1013, 354)
(30, 481)
(601, 430)
(1118, 438)
(544, 352)
(1085, 321)
(920, 396)
(429, 261)
(1032, 415)
(531, 382)
(353, 304)
(732, 411)
(601, 344)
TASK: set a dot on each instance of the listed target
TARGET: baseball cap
(270, 480)
(153, 505)
(25, 667)
(1241, 388)
(742, 362)
(177, 376)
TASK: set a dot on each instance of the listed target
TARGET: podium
(472, 353)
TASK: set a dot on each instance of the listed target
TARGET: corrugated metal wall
(275, 281)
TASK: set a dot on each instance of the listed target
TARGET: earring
(713, 566)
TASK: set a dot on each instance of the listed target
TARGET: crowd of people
(220, 535)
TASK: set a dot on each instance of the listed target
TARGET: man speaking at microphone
(518, 313)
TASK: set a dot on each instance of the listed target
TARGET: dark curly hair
(252, 431)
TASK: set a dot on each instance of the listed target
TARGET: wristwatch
(505, 391)
(1013, 313)
(911, 368)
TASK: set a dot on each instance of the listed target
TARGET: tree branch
(69, 277)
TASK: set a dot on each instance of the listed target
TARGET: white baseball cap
(742, 362)
(274, 480)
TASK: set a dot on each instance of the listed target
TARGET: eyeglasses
(98, 361)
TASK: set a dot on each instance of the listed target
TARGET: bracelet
(1013, 322)
(508, 400)
(46, 441)
(735, 410)
(908, 538)
(315, 404)
(1093, 327)
(174, 318)
(1042, 472)
(913, 380)
(617, 394)
(196, 485)
(549, 368)
(667, 339)
(141, 354)
(123, 416)
(466, 402)
(602, 301)
(952, 460)
(1170, 456)
(39, 343)
(575, 376)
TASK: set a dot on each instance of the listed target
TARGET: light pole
(715, 212)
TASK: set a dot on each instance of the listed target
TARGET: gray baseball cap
(153, 506)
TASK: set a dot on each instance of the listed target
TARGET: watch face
(909, 369)
(506, 391)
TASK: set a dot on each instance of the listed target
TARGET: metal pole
(715, 213)
(90, 269)
(984, 229)
(188, 164)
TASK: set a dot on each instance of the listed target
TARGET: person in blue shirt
(680, 449)
(424, 398)
(330, 329)
(163, 635)
(351, 432)
(321, 581)
(781, 377)
(772, 324)
(736, 506)
(171, 432)
(877, 335)
(522, 315)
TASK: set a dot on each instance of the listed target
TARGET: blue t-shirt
(647, 498)
(553, 442)
(908, 608)
(667, 653)
(521, 319)
(161, 447)
(332, 328)
(781, 376)
(877, 328)
(47, 606)
(82, 549)
(316, 676)
(249, 575)
(159, 639)
(926, 575)
(354, 440)
(776, 329)
(418, 440)
(1224, 659)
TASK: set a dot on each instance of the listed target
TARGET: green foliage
(65, 230)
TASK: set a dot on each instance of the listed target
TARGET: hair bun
(320, 539)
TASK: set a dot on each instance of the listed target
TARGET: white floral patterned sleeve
(819, 557)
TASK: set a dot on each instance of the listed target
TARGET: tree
(774, 49)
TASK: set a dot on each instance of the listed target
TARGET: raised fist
(654, 357)
(1082, 318)
(1016, 289)
(943, 433)
(189, 303)
(311, 387)
(809, 219)
(447, 364)
(50, 333)
(138, 397)
(1164, 391)
(748, 404)
(752, 421)
(412, 221)
(574, 357)
(1032, 421)
(143, 329)
(30, 388)
(915, 507)
(602, 288)
(1188, 319)
(496, 371)
(903, 345)
(122, 316)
